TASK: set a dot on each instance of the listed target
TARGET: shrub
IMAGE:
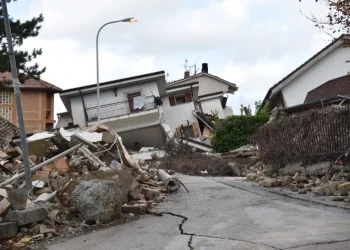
(234, 131)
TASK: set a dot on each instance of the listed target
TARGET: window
(48, 105)
(180, 99)
(131, 100)
(5, 97)
(6, 113)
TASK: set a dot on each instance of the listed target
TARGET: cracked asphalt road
(219, 214)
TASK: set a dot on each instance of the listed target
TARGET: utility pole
(17, 91)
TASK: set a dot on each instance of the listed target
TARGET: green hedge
(234, 131)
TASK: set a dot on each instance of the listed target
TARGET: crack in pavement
(317, 244)
(192, 235)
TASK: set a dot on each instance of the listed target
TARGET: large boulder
(318, 169)
(291, 168)
(97, 200)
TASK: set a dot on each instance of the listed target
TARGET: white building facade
(136, 107)
(329, 63)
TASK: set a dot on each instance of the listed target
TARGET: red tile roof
(334, 87)
(29, 83)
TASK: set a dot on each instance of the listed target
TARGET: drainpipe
(84, 107)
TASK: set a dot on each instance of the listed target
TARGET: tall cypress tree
(20, 31)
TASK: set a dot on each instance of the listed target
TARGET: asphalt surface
(226, 214)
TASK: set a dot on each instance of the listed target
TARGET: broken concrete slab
(31, 214)
(318, 169)
(125, 181)
(8, 229)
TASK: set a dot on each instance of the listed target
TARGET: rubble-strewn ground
(218, 216)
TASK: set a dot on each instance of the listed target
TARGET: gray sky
(253, 43)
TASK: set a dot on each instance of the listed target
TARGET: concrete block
(8, 229)
(29, 215)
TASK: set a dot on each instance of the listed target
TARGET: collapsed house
(145, 110)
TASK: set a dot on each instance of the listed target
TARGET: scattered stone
(235, 169)
(327, 190)
(269, 182)
(134, 209)
(26, 240)
(338, 198)
(318, 182)
(295, 175)
(344, 188)
(44, 230)
(318, 169)
(251, 176)
(31, 214)
(303, 179)
(98, 200)
(334, 185)
(308, 186)
(301, 185)
(302, 191)
(292, 168)
(151, 193)
(318, 190)
(8, 229)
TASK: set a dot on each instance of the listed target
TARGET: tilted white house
(327, 64)
(137, 107)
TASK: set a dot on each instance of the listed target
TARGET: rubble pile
(321, 179)
(80, 179)
(184, 159)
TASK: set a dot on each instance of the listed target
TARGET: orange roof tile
(29, 83)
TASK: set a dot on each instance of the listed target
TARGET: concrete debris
(79, 178)
(97, 200)
(171, 183)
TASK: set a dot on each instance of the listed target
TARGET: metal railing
(118, 109)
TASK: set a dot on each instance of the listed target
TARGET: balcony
(120, 109)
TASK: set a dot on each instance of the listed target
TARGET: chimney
(187, 74)
(205, 68)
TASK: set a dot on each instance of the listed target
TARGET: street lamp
(126, 20)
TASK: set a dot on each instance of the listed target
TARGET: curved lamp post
(126, 20)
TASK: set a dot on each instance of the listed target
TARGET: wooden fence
(312, 136)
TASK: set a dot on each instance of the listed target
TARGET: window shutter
(188, 97)
(178, 132)
(172, 101)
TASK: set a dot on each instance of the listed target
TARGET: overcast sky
(252, 43)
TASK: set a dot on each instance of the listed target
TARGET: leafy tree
(248, 109)
(21, 30)
(337, 20)
(261, 110)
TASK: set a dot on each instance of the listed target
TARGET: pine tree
(21, 30)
